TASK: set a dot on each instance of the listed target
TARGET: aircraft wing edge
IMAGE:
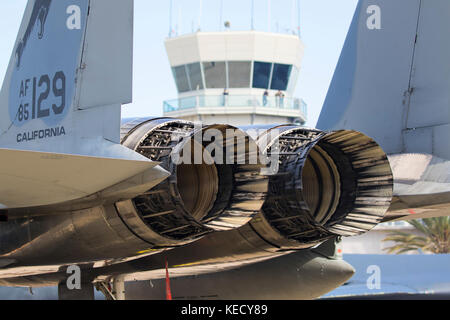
(30, 178)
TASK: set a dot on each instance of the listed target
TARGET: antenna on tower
(200, 13)
(179, 21)
(299, 19)
(170, 18)
(221, 16)
(292, 29)
(253, 14)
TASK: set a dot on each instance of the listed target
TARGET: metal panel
(419, 141)
(430, 81)
(35, 178)
(441, 145)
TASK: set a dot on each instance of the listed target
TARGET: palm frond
(435, 239)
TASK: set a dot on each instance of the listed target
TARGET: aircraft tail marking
(69, 74)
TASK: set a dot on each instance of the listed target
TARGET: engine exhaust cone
(210, 189)
(328, 184)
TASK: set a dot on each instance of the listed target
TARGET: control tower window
(239, 74)
(181, 78)
(215, 75)
(293, 79)
(195, 76)
(280, 78)
(261, 74)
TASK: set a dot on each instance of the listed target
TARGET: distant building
(372, 242)
(234, 77)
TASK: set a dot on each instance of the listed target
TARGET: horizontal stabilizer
(29, 178)
(421, 187)
(420, 174)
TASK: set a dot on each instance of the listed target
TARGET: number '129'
(40, 93)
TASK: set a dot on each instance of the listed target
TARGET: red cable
(168, 291)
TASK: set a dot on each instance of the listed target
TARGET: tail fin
(393, 78)
(69, 74)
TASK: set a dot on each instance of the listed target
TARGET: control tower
(236, 77)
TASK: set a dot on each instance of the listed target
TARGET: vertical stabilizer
(69, 74)
(393, 78)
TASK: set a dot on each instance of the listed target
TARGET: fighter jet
(225, 212)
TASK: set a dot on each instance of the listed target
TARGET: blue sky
(324, 26)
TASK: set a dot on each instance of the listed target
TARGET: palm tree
(435, 239)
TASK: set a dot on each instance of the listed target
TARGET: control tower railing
(207, 101)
